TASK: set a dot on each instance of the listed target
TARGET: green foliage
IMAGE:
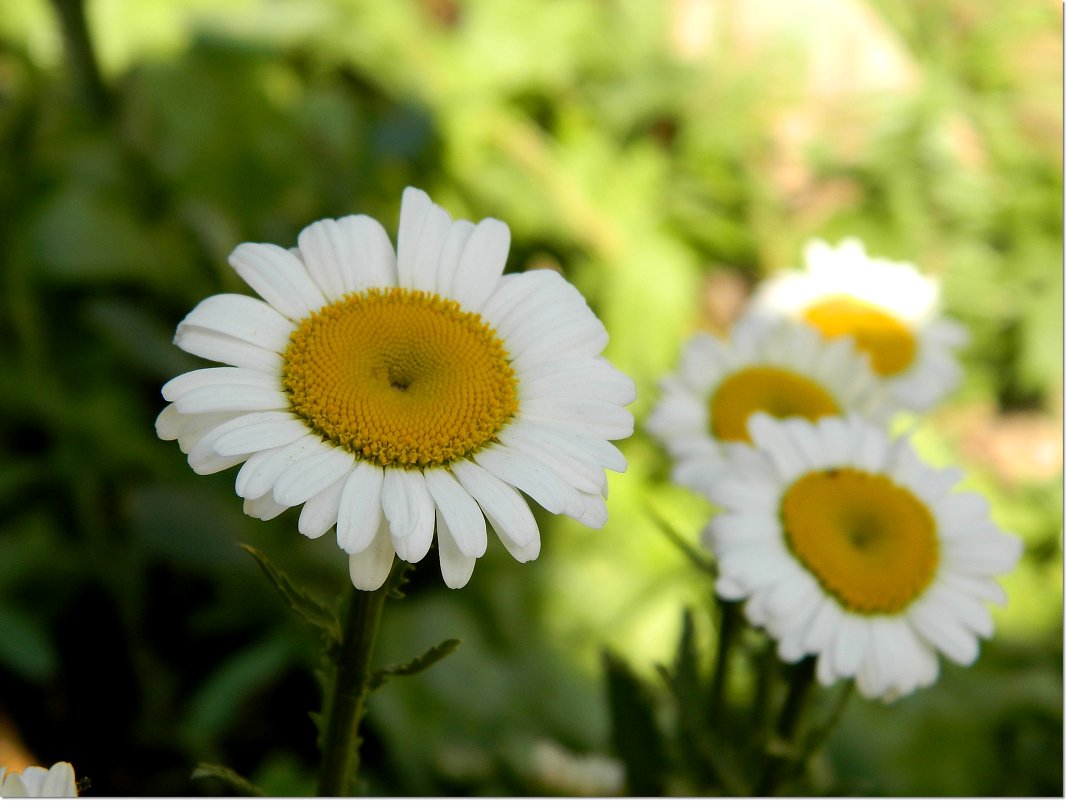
(420, 663)
(622, 145)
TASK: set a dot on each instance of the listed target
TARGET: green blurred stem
(729, 627)
(340, 746)
(81, 56)
(786, 752)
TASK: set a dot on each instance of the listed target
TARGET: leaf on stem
(634, 735)
(699, 559)
(318, 615)
(230, 778)
(416, 665)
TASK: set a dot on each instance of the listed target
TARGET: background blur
(664, 156)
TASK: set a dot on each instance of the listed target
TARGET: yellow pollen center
(400, 376)
(774, 390)
(888, 341)
(870, 543)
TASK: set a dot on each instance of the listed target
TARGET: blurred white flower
(54, 782)
(784, 369)
(889, 308)
(845, 545)
(398, 394)
(565, 773)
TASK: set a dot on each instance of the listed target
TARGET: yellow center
(870, 543)
(888, 341)
(774, 390)
(400, 376)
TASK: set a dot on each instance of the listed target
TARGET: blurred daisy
(785, 369)
(889, 308)
(848, 547)
(396, 395)
(54, 782)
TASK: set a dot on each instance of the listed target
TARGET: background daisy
(890, 310)
(396, 396)
(845, 545)
(785, 370)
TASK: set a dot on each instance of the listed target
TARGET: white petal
(180, 386)
(769, 435)
(260, 431)
(432, 241)
(59, 782)
(456, 566)
(320, 512)
(243, 318)
(169, 423)
(313, 474)
(448, 264)
(527, 474)
(409, 508)
(279, 278)
(226, 349)
(360, 511)
(481, 264)
(588, 380)
(582, 474)
(504, 507)
(259, 473)
(232, 398)
(588, 417)
(365, 254)
(415, 207)
(460, 510)
(318, 250)
(370, 567)
(943, 633)
(264, 507)
(594, 511)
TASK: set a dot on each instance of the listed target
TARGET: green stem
(785, 755)
(340, 744)
(81, 56)
(729, 627)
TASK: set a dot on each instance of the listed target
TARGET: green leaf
(315, 613)
(699, 560)
(230, 778)
(635, 736)
(416, 665)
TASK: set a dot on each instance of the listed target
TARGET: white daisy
(396, 395)
(848, 547)
(54, 782)
(889, 308)
(784, 369)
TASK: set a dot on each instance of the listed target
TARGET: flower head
(54, 782)
(888, 308)
(847, 546)
(785, 369)
(398, 394)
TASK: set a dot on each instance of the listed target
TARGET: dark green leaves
(416, 665)
(635, 737)
(321, 617)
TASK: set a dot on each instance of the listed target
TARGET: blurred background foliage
(664, 156)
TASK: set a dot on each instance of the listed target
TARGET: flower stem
(729, 627)
(785, 755)
(340, 742)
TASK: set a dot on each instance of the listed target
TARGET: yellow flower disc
(400, 376)
(888, 341)
(870, 543)
(774, 390)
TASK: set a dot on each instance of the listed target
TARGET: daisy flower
(784, 369)
(398, 394)
(889, 308)
(54, 782)
(850, 548)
